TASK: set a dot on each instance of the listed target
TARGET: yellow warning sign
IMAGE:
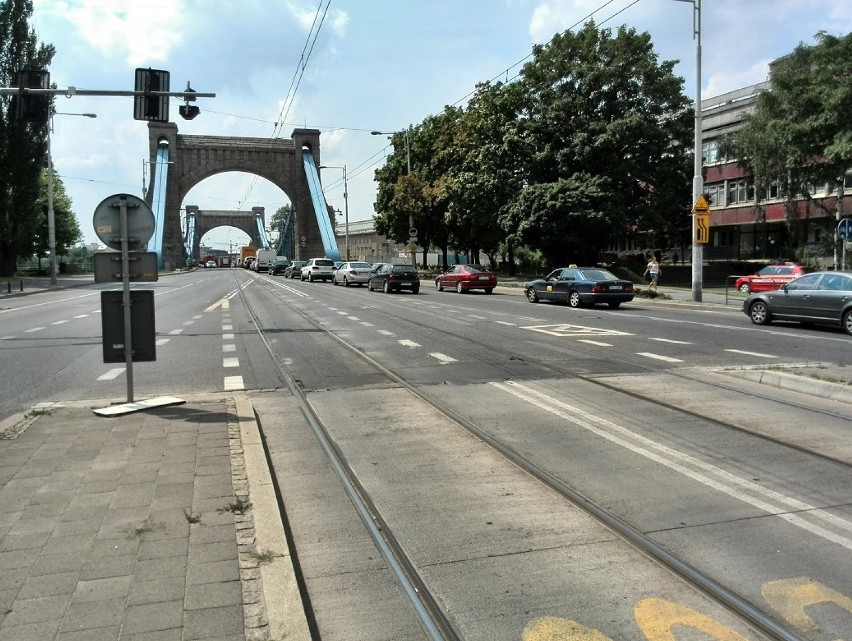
(701, 205)
(702, 229)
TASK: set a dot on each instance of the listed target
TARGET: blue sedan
(579, 286)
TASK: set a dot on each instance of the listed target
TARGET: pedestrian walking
(652, 271)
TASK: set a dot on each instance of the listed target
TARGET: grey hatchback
(394, 278)
(823, 298)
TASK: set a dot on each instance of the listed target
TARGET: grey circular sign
(140, 221)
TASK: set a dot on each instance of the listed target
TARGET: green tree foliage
(594, 135)
(608, 128)
(800, 133)
(22, 145)
(67, 229)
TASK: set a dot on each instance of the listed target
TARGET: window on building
(710, 151)
(740, 191)
(774, 189)
(716, 193)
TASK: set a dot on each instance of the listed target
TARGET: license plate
(615, 288)
(404, 284)
(484, 278)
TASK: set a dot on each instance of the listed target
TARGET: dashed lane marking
(669, 340)
(758, 354)
(591, 342)
(234, 383)
(111, 374)
(33, 329)
(228, 337)
(385, 332)
(162, 341)
(408, 343)
(442, 357)
(175, 332)
(231, 362)
(506, 323)
(229, 347)
(660, 357)
(60, 322)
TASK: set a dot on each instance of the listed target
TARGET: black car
(394, 278)
(279, 265)
(294, 269)
(579, 286)
(823, 298)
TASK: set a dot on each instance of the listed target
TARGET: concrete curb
(796, 382)
(284, 609)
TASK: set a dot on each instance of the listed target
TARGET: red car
(771, 277)
(463, 278)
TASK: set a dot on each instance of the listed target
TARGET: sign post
(701, 226)
(844, 230)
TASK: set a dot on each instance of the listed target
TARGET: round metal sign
(140, 221)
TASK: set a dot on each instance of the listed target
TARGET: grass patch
(264, 556)
(191, 517)
(236, 507)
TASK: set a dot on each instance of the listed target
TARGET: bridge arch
(192, 159)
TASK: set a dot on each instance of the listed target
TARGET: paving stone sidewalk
(132, 528)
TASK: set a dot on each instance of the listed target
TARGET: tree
(799, 134)
(23, 146)
(67, 229)
(608, 130)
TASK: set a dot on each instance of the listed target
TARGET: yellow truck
(246, 252)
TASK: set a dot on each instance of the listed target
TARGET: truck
(246, 252)
(265, 260)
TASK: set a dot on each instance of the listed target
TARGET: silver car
(352, 273)
(823, 298)
(318, 269)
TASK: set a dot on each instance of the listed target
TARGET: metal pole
(125, 298)
(410, 213)
(698, 179)
(51, 217)
(346, 208)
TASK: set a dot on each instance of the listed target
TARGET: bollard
(8, 286)
(22, 284)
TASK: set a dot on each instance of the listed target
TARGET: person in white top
(653, 272)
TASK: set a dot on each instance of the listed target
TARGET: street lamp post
(404, 133)
(698, 179)
(345, 201)
(51, 215)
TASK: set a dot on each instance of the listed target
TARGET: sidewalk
(157, 525)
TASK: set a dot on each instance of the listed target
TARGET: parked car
(770, 277)
(394, 278)
(279, 265)
(294, 269)
(210, 263)
(248, 261)
(464, 278)
(823, 298)
(317, 269)
(578, 286)
(352, 273)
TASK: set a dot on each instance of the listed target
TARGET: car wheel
(415, 290)
(745, 289)
(459, 288)
(759, 313)
(488, 290)
(345, 282)
(615, 304)
(302, 278)
(386, 288)
(531, 295)
(438, 285)
(574, 299)
(334, 281)
(846, 322)
(370, 285)
(310, 278)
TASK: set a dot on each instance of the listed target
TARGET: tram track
(434, 621)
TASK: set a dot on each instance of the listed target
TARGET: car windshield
(359, 265)
(474, 269)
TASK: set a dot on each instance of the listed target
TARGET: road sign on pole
(844, 229)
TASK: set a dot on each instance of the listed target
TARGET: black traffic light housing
(27, 107)
(186, 110)
(151, 107)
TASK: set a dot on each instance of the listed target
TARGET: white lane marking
(228, 337)
(354, 318)
(33, 329)
(61, 300)
(565, 329)
(230, 362)
(478, 317)
(506, 323)
(729, 483)
(218, 303)
(189, 322)
(408, 343)
(62, 322)
(162, 341)
(385, 332)
(227, 328)
(111, 374)
(758, 354)
(234, 383)
(591, 342)
(82, 316)
(442, 357)
(229, 347)
(175, 332)
(660, 357)
(7, 338)
(669, 340)
(366, 324)
(196, 317)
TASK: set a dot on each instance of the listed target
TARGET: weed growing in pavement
(191, 517)
(263, 556)
(236, 507)
(146, 528)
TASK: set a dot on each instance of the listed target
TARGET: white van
(265, 260)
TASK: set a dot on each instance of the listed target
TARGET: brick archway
(195, 158)
(206, 220)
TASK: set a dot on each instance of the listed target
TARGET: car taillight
(597, 289)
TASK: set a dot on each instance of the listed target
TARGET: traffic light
(27, 107)
(186, 110)
(151, 107)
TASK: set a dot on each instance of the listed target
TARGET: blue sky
(375, 65)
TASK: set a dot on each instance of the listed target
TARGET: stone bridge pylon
(191, 159)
